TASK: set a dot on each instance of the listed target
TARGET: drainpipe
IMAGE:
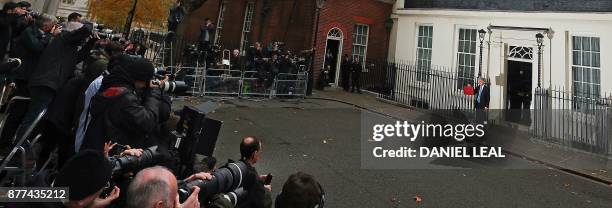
(264, 12)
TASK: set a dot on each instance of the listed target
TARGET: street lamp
(320, 4)
(481, 36)
(540, 40)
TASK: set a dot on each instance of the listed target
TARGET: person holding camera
(10, 24)
(157, 187)
(129, 108)
(56, 66)
(87, 175)
(258, 193)
(31, 45)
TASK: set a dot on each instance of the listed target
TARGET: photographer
(129, 108)
(74, 17)
(8, 21)
(31, 45)
(301, 190)
(56, 66)
(86, 175)
(157, 187)
(258, 193)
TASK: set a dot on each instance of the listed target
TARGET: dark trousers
(40, 98)
(53, 137)
(345, 81)
(356, 85)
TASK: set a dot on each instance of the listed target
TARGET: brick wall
(289, 21)
(370, 12)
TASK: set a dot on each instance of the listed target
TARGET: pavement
(512, 139)
(321, 136)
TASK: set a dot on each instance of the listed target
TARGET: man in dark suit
(345, 71)
(482, 95)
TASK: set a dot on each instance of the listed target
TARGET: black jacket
(345, 68)
(29, 47)
(58, 61)
(121, 115)
(6, 31)
(484, 99)
(257, 195)
(61, 112)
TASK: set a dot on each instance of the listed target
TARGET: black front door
(519, 92)
(331, 60)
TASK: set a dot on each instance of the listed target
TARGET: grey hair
(145, 193)
(45, 19)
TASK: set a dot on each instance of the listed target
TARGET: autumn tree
(113, 13)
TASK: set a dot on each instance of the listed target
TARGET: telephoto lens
(125, 164)
(225, 180)
(175, 87)
(237, 196)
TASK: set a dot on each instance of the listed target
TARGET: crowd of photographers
(263, 63)
(107, 117)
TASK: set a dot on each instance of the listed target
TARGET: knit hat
(84, 174)
(140, 69)
(24, 4)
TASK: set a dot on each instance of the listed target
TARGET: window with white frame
(424, 45)
(466, 57)
(220, 21)
(360, 42)
(246, 27)
(70, 2)
(586, 71)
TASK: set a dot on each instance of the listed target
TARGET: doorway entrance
(519, 92)
(331, 59)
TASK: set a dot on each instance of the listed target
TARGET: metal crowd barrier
(19, 170)
(236, 83)
(287, 84)
(224, 82)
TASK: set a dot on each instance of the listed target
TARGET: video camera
(226, 179)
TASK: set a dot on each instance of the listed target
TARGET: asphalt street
(322, 138)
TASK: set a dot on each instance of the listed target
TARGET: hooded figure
(127, 110)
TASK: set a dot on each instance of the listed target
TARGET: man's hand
(56, 30)
(191, 202)
(201, 176)
(95, 35)
(12, 85)
(108, 146)
(132, 152)
(101, 203)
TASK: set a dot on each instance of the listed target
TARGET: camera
(33, 14)
(236, 196)
(172, 85)
(225, 180)
(125, 164)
